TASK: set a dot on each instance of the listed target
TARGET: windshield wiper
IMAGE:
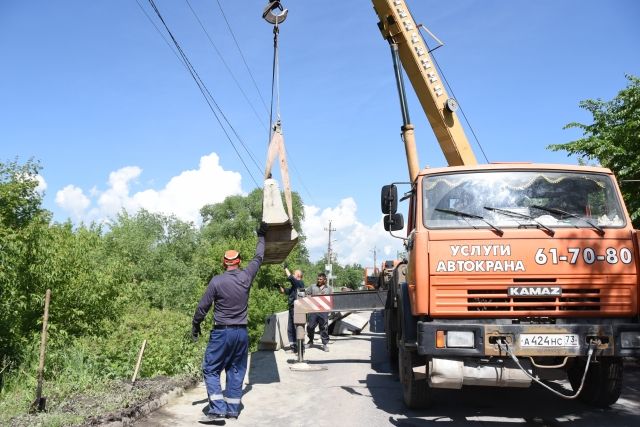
(596, 227)
(468, 215)
(507, 212)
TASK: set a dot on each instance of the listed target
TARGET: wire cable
(203, 89)
(446, 82)
(242, 56)
(160, 32)
(275, 80)
(564, 396)
(225, 63)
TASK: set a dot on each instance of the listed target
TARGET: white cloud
(73, 200)
(42, 184)
(352, 241)
(183, 195)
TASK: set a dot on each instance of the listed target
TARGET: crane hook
(271, 17)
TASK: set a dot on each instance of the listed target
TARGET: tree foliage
(613, 140)
(23, 226)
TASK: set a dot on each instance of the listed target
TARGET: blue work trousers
(227, 350)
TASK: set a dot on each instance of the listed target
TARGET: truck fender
(408, 322)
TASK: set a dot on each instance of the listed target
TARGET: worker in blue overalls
(229, 341)
(297, 286)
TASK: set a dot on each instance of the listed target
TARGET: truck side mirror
(389, 199)
(393, 222)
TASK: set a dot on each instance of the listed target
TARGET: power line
(243, 58)
(205, 91)
(225, 63)
(160, 32)
(300, 177)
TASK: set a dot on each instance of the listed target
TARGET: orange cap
(231, 257)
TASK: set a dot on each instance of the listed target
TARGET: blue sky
(92, 90)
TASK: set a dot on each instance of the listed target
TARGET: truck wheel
(391, 336)
(603, 383)
(415, 391)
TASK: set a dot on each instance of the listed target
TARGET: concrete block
(350, 323)
(274, 336)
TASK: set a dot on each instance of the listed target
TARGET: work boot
(212, 419)
(325, 347)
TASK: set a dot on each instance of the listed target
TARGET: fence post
(40, 402)
(135, 372)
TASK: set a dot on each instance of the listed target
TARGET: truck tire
(416, 392)
(603, 384)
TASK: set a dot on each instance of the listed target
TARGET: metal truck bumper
(613, 339)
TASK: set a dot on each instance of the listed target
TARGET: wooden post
(135, 372)
(40, 401)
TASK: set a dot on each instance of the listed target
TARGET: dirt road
(355, 387)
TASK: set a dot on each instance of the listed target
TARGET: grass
(99, 402)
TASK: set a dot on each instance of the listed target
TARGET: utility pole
(329, 255)
(375, 262)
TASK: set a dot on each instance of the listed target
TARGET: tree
(613, 139)
(20, 203)
(350, 276)
(154, 254)
(22, 221)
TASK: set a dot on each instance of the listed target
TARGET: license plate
(549, 340)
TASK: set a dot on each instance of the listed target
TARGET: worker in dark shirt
(297, 285)
(229, 341)
(319, 319)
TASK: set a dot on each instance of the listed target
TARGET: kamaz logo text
(534, 291)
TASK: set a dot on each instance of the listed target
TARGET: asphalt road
(352, 385)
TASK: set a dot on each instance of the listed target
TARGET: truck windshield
(549, 198)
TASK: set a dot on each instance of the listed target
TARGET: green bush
(262, 304)
(169, 349)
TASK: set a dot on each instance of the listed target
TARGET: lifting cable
(280, 18)
(281, 237)
(275, 72)
(276, 141)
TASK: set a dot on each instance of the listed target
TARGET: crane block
(281, 237)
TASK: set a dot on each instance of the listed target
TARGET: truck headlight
(460, 339)
(630, 339)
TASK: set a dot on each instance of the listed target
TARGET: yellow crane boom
(399, 28)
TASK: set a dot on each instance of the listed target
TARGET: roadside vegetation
(113, 286)
(612, 140)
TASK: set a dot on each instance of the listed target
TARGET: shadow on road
(493, 406)
(263, 369)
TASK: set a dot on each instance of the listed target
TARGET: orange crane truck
(511, 268)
